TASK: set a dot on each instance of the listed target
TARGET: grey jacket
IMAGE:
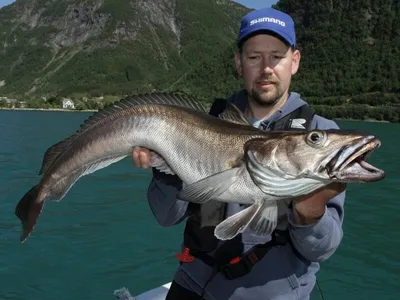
(284, 273)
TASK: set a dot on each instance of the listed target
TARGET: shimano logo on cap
(272, 20)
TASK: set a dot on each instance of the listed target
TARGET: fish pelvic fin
(28, 210)
(236, 224)
(265, 221)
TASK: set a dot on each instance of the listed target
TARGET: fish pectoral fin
(265, 220)
(158, 162)
(210, 187)
(235, 224)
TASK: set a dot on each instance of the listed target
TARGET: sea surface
(102, 236)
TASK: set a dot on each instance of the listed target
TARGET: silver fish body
(218, 159)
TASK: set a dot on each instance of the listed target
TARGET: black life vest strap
(242, 265)
(218, 106)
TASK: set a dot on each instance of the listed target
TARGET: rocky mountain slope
(108, 46)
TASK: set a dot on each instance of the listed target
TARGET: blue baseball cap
(268, 19)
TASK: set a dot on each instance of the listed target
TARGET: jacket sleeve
(161, 196)
(318, 241)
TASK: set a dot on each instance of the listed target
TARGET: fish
(221, 158)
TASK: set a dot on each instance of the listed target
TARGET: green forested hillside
(350, 65)
(351, 57)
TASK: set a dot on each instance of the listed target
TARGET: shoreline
(50, 109)
(366, 120)
(95, 110)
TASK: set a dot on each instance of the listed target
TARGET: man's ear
(238, 63)
(296, 56)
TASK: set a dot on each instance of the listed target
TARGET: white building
(67, 103)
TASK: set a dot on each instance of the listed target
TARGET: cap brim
(260, 28)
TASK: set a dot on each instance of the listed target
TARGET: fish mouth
(350, 165)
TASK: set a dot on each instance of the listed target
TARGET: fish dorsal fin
(175, 99)
(233, 114)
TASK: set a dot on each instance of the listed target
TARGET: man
(266, 59)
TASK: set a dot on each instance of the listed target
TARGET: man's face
(266, 65)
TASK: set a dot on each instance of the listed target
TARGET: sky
(248, 3)
(255, 3)
(5, 2)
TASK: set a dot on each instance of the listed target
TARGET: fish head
(327, 155)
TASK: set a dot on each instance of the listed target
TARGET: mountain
(96, 47)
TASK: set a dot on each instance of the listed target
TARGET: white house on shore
(67, 103)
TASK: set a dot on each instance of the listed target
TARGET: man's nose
(267, 66)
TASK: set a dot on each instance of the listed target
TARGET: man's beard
(266, 101)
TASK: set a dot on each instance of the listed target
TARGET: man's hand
(310, 208)
(141, 157)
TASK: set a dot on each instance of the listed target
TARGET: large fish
(219, 159)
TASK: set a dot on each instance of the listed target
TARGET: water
(102, 235)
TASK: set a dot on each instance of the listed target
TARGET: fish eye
(316, 138)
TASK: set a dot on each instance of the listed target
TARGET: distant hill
(61, 47)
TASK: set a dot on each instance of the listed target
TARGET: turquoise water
(102, 235)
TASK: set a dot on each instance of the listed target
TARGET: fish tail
(28, 210)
